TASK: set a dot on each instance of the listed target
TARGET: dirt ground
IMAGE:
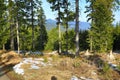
(60, 67)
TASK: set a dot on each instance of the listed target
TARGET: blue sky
(52, 15)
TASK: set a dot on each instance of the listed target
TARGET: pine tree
(42, 37)
(67, 15)
(3, 24)
(101, 26)
(116, 35)
(56, 6)
(11, 21)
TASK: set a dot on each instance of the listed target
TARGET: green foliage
(116, 34)
(101, 32)
(106, 68)
(70, 40)
(4, 32)
(13, 11)
(83, 36)
(76, 64)
(45, 59)
(52, 43)
(42, 33)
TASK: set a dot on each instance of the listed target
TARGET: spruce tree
(101, 26)
(3, 24)
(56, 6)
(67, 15)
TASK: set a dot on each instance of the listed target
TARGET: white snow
(74, 78)
(34, 62)
(17, 69)
(33, 66)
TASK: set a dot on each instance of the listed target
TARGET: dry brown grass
(10, 58)
(63, 68)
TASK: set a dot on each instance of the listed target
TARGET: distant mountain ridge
(50, 23)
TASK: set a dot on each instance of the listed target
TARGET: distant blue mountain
(52, 24)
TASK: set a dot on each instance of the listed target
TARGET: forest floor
(3, 76)
(65, 67)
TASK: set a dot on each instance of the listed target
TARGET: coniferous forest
(23, 29)
(22, 26)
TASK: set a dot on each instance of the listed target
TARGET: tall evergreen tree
(11, 19)
(42, 37)
(67, 15)
(31, 8)
(56, 6)
(101, 27)
(116, 35)
(3, 24)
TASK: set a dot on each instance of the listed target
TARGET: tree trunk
(3, 46)
(67, 37)
(77, 28)
(32, 14)
(59, 27)
(67, 28)
(17, 29)
(91, 44)
(12, 37)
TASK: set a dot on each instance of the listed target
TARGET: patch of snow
(39, 59)
(83, 78)
(18, 70)
(54, 52)
(33, 66)
(74, 78)
(33, 62)
(43, 64)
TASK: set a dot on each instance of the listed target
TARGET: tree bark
(67, 37)
(12, 37)
(3, 46)
(32, 14)
(77, 28)
(91, 44)
(59, 27)
(17, 29)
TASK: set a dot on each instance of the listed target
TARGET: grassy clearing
(64, 67)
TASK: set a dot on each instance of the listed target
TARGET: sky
(52, 15)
